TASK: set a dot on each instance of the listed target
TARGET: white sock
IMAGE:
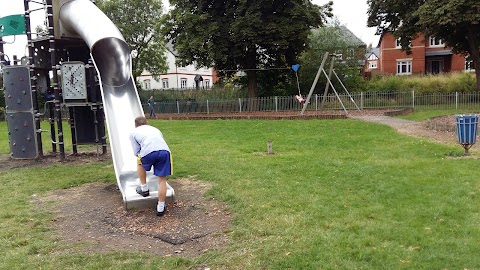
(160, 206)
(144, 187)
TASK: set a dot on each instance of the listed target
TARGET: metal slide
(121, 103)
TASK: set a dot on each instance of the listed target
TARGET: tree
(139, 22)
(41, 31)
(332, 39)
(455, 22)
(244, 35)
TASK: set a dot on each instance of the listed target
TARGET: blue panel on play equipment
(467, 128)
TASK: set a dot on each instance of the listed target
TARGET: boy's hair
(140, 121)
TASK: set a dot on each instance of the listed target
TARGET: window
(206, 83)
(339, 54)
(469, 65)
(165, 83)
(436, 42)
(351, 53)
(146, 84)
(183, 83)
(404, 67)
(397, 44)
(372, 64)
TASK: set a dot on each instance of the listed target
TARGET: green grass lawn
(338, 194)
(46, 139)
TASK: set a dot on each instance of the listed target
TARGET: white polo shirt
(146, 139)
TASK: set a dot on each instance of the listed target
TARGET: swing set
(328, 76)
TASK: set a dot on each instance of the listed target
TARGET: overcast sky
(351, 13)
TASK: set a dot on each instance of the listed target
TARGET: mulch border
(283, 115)
(432, 124)
(250, 117)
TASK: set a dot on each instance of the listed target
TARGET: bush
(215, 93)
(444, 83)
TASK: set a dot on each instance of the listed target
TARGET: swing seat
(300, 99)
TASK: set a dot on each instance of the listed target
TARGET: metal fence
(468, 101)
(362, 100)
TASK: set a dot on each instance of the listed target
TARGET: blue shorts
(161, 162)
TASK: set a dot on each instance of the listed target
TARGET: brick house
(429, 56)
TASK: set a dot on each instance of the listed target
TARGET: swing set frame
(331, 71)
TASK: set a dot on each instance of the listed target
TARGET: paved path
(411, 128)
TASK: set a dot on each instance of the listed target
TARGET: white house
(372, 58)
(178, 77)
(372, 65)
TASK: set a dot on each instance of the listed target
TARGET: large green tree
(139, 21)
(456, 22)
(244, 35)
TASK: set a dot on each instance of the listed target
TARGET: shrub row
(445, 83)
(215, 93)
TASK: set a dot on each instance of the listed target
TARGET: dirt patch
(442, 123)
(272, 115)
(94, 216)
(50, 159)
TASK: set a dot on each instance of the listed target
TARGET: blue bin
(467, 126)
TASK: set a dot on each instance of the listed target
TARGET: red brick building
(429, 56)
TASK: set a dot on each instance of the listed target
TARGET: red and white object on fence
(300, 99)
